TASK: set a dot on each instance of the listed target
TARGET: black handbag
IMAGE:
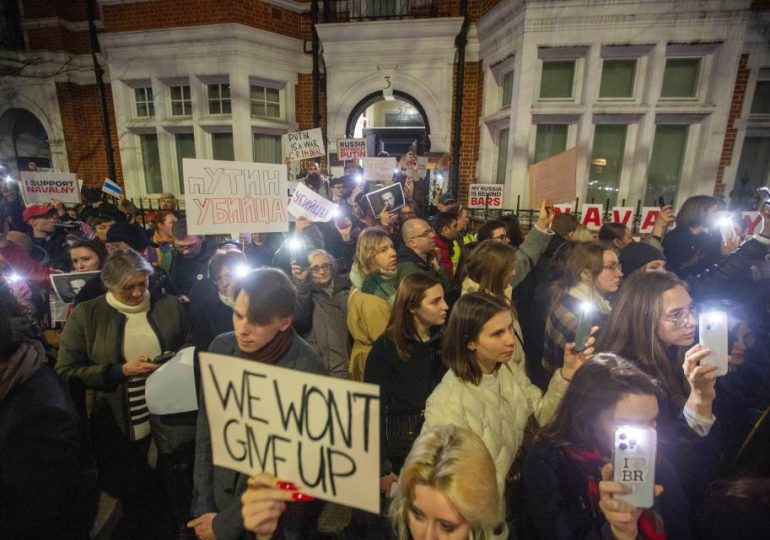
(401, 429)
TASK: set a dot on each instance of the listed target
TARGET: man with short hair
(190, 259)
(262, 321)
(445, 225)
(42, 219)
(418, 252)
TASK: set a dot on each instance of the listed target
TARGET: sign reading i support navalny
(223, 197)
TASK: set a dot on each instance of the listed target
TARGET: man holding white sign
(258, 417)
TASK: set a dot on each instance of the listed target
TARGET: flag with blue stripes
(111, 188)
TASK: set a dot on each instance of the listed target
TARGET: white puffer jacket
(499, 420)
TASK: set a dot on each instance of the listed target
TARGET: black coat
(44, 492)
(689, 254)
(184, 272)
(210, 316)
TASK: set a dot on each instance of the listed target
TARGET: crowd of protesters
(498, 413)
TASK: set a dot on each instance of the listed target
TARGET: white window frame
(252, 101)
(563, 54)
(640, 53)
(149, 102)
(220, 99)
(183, 101)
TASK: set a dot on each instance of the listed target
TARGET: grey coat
(218, 489)
(529, 252)
(322, 320)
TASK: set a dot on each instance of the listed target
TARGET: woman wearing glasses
(321, 310)
(591, 275)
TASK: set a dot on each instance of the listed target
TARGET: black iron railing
(373, 10)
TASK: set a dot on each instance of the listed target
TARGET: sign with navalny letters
(348, 149)
(321, 433)
(42, 187)
(307, 203)
(223, 197)
(303, 145)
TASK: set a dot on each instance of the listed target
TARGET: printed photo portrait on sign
(67, 286)
(390, 197)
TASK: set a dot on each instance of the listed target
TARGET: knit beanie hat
(636, 254)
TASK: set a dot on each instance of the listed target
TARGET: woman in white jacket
(483, 390)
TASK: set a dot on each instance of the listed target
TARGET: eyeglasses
(503, 237)
(424, 234)
(683, 317)
(612, 267)
(317, 269)
(184, 249)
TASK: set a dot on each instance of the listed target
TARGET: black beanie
(637, 254)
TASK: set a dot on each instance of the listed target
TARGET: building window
(219, 99)
(222, 146)
(680, 80)
(606, 163)
(618, 78)
(754, 167)
(153, 181)
(265, 102)
(145, 107)
(507, 88)
(550, 140)
(761, 102)
(185, 148)
(267, 148)
(502, 155)
(668, 151)
(181, 102)
(557, 79)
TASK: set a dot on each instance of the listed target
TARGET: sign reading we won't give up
(321, 433)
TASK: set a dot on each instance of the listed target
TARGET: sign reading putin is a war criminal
(223, 197)
(303, 145)
(41, 187)
(321, 433)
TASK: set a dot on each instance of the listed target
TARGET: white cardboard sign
(623, 214)
(649, 217)
(223, 197)
(42, 187)
(307, 203)
(592, 216)
(485, 196)
(348, 149)
(321, 433)
(303, 145)
(379, 169)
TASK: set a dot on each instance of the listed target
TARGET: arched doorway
(23, 140)
(394, 126)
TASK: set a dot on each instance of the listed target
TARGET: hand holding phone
(163, 358)
(633, 457)
(583, 330)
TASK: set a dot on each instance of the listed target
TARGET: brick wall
(167, 14)
(470, 130)
(82, 124)
(66, 9)
(736, 106)
(58, 38)
(303, 102)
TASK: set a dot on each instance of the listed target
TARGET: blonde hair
(582, 234)
(369, 244)
(455, 462)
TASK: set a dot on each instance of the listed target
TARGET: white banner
(592, 216)
(321, 433)
(623, 214)
(485, 196)
(649, 217)
(303, 145)
(223, 197)
(307, 203)
(348, 149)
(42, 187)
(379, 169)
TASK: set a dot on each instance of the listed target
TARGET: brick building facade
(533, 85)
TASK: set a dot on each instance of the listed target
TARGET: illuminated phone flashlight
(13, 278)
(396, 170)
(715, 317)
(336, 212)
(358, 178)
(586, 307)
(439, 177)
(241, 270)
(725, 221)
(8, 179)
(295, 244)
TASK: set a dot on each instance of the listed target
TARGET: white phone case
(712, 328)
(633, 460)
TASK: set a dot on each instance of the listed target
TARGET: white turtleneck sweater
(139, 339)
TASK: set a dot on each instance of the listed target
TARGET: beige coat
(368, 316)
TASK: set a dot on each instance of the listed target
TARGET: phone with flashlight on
(633, 461)
(583, 331)
(713, 332)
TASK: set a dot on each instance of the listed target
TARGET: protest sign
(553, 179)
(222, 197)
(321, 433)
(485, 196)
(67, 286)
(379, 169)
(422, 166)
(41, 187)
(391, 196)
(307, 203)
(592, 216)
(565, 208)
(623, 214)
(649, 217)
(303, 145)
(348, 149)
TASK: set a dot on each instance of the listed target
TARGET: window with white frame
(222, 146)
(153, 181)
(181, 101)
(506, 88)
(558, 79)
(145, 106)
(550, 140)
(665, 172)
(618, 79)
(502, 155)
(754, 166)
(267, 148)
(219, 98)
(760, 104)
(185, 148)
(606, 163)
(680, 78)
(265, 101)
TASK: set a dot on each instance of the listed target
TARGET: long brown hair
(582, 256)
(401, 327)
(470, 314)
(488, 264)
(632, 329)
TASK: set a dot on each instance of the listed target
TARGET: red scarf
(591, 461)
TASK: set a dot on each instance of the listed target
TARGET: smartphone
(163, 358)
(583, 331)
(661, 202)
(633, 460)
(712, 328)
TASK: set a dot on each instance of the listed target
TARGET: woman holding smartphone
(568, 476)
